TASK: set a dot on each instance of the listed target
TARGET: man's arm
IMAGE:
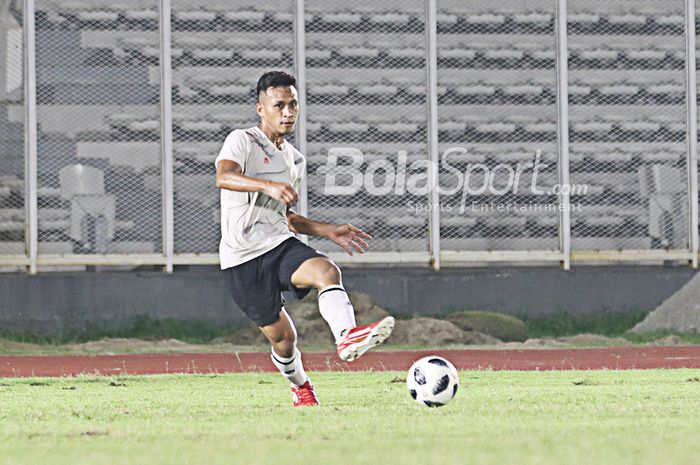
(229, 176)
(346, 235)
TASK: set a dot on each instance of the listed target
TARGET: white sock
(336, 309)
(291, 368)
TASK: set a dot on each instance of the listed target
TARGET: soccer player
(259, 174)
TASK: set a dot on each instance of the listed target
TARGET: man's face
(278, 108)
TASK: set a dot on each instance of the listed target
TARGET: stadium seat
(194, 16)
(376, 92)
(618, 93)
(541, 129)
(329, 93)
(584, 22)
(446, 20)
(204, 51)
(391, 20)
(523, 93)
(668, 92)
(484, 22)
(591, 129)
(478, 92)
(612, 156)
(626, 22)
(196, 128)
(147, 50)
(405, 56)
(137, 15)
(341, 17)
(454, 222)
(348, 131)
(532, 21)
(675, 53)
(580, 92)
(247, 16)
(358, 55)
(597, 57)
(503, 56)
(85, 15)
(318, 56)
(649, 57)
(393, 129)
(494, 131)
(261, 56)
(221, 89)
(451, 130)
(457, 56)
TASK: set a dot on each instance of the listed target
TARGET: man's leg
(287, 358)
(335, 307)
(285, 355)
(334, 304)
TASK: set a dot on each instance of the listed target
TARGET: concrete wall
(55, 302)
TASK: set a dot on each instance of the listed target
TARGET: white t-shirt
(253, 223)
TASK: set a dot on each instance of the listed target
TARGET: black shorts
(257, 285)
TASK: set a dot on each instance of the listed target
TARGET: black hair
(274, 79)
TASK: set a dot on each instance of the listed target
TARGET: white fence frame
(434, 257)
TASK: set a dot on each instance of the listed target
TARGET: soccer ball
(432, 381)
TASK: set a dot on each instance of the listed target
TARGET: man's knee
(328, 274)
(284, 343)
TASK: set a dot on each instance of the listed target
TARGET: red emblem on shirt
(266, 161)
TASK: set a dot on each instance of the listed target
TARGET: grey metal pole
(300, 71)
(166, 124)
(30, 136)
(563, 133)
(692, 141)
(432, 99)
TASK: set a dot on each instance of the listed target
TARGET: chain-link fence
(366, 84)
(100, 178)
(498, 123)
(99, 162)
(218, 53)
(628, 125)
(12, 171)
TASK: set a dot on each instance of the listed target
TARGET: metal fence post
(692, 133)
(300, 72)
(166, 122)
(432, 99)
(30, 125)
(563, 132)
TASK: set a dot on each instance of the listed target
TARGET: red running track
(617, 358)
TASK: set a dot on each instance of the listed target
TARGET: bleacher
(99, 90)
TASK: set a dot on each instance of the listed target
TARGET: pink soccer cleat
(360, 339)
(304, 395)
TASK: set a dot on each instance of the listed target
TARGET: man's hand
(282, 192)
(349, 237)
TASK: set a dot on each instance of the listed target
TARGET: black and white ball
(432, 381)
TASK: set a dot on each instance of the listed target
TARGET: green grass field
(596, 417)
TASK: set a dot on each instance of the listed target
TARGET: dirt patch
(107, 345)
(432, 332)
(501, 326)
(594, 340)
(671, 340)
(545, 342)
(13, 347)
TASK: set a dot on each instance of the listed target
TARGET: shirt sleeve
(236, 148)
